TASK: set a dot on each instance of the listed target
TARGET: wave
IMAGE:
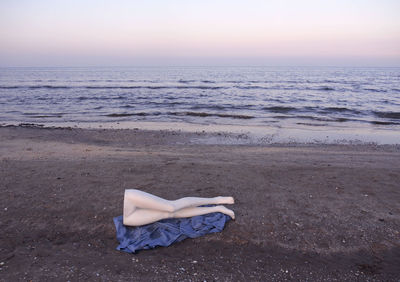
(205, 106)
(311, 124)
(194, 114)
(9, 87)
(46, 116)
(279, 109)
(287, 109)
(48, 87)
(384, 122)
(43, 115)
(323, 88)
(375, 90)
(342, 110)
(82, 98)
(34, 87)
(208, 85)
(132, 114)
(157, 87)
(340, 119)
(171, 97)
(390, 115)
(115, 87)
(119, 115)
(221, 107)
(326, 88)
(203, 114)
(337, 109)
(252, 87)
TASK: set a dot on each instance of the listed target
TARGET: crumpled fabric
(167, 231)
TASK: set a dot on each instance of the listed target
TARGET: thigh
(145, 200)
(145, 216)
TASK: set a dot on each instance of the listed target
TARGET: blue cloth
(167, 231)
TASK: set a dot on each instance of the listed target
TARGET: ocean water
(295, 97)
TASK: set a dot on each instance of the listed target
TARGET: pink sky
(122, 32)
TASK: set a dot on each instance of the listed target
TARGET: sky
(202, 32)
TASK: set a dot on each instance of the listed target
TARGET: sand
(303, 211)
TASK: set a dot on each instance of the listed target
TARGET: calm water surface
(273, 96)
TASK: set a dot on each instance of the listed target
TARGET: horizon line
(198, 66)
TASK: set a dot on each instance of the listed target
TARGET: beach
(303, 211)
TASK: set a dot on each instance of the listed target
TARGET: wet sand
(303, 211)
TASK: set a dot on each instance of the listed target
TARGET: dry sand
(304, 212)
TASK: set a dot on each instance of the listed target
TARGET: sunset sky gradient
(219, 32)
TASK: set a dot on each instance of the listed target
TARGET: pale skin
(142, 208)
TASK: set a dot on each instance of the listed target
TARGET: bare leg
(145, 200)
(196, 201)
(142, 208)
(189, 212)
(146, 216)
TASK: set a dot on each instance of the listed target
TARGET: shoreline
(243, 134)
(303, 211)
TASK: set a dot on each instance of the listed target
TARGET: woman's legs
(143, 208)
(196, 201)
(145, 200)
(189, 212)
(146, 216)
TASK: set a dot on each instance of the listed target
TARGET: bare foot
(226, 211)
(226, 200)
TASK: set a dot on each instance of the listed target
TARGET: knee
(124, 221)
(171, 214)
(129, 192)
(132, 220)
(127, 221)
(171, 209)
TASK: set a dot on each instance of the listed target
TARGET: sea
(323, 103)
